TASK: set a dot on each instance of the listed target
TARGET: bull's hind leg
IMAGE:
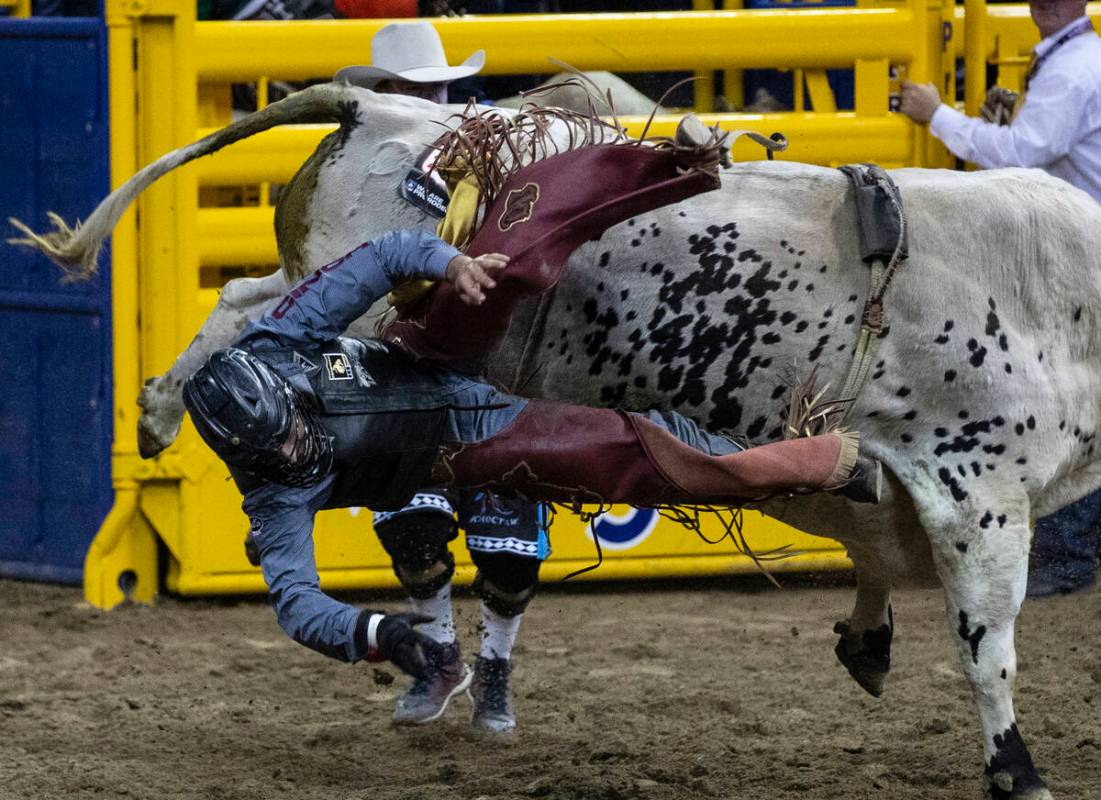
(865, 644)
(241, 301)
(982, 559)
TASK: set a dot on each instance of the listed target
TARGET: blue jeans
(1064, 548)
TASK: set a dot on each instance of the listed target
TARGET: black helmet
(251, 418)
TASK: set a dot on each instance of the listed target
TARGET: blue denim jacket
(313, 313)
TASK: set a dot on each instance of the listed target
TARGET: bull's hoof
(867, 656)
(1011, 775)
(150, 444)
(153, 437)
(1000, 787)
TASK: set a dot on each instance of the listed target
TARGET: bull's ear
(394, 155)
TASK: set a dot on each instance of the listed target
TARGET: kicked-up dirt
(725, 689)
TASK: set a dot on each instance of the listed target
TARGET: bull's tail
(76, 249)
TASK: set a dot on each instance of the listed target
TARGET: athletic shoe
(427, 699)
(491, 696)
(865, 484)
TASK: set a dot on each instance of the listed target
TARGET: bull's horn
(76, 249)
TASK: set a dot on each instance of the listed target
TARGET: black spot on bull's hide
(969, 437)
(993, 329)
(1011, 772)
(978, 352)
(972, 637)
(747, 320)
(349, 119)
(949, 480)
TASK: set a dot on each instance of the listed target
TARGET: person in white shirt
(1057, 124)
(408, 58)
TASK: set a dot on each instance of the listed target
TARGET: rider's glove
(392, 637)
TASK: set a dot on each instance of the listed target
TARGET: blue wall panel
(55, 360)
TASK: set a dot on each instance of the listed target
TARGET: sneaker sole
(460, 687)
(485, 729)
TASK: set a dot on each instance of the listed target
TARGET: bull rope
(873, 317)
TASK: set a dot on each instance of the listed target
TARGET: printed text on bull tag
(424, 188)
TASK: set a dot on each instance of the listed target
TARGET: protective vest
(384, 410)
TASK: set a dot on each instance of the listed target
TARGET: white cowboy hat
(409, 51)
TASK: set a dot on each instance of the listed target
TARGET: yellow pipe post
(734, 79)
(703, 88)
(169, 209)
(262, 84)
(918, 71)
(124, 545)
(974, 59)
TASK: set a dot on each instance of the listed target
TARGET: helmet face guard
(251, 417)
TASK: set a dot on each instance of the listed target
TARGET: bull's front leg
(864, 647)
(241, 301)
(983, 563)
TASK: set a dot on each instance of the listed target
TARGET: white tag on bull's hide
(424, 188)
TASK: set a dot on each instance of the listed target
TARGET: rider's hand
(397, 641)
(470, 276)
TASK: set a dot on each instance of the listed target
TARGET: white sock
(498, 633)
(438, 606)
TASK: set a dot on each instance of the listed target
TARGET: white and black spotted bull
(983, 402)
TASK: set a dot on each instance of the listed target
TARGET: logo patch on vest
(519, 206)
(338, 366)
(363, 377)
(307, 366)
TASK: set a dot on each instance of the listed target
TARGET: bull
(983, 402)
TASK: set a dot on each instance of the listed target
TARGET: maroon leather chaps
(565, 453)
(544, 212)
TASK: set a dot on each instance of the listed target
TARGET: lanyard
(1080, 28)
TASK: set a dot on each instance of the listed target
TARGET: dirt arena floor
(728, 690)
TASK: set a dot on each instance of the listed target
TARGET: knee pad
(417, 545)
(506, 583)
(424, 583)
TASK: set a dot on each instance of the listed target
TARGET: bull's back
(712, 305)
